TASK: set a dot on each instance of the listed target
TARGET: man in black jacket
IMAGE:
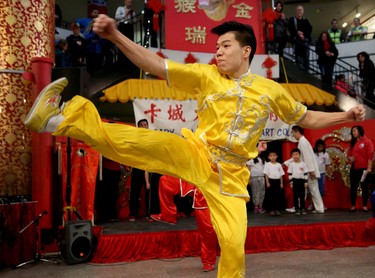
(300, 34)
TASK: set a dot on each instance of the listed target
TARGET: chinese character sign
(167, 115)
(188, 22)
(172, 115)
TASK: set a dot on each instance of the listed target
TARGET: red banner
(188, 23)
(84, 168)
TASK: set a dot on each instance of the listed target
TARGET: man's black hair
(295, 150)
(142, 120)
(244, 34)
(299, 129)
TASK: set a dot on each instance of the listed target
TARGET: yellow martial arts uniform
(232, 114)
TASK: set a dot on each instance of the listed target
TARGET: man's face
(296, 134)
(94, 13)
(76, 30)
(334, 25)
(143, 124)
(128, 3)
(230, 55)
(356, 22)
(299, 11)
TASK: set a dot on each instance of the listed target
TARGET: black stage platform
(254, 220)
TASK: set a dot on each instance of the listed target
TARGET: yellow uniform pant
(167, 154)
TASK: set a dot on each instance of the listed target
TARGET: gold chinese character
(197, 35)
(243, 10)
(185, 6)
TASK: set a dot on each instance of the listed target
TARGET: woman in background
(327, 53)
(367, 73)
(360, 154)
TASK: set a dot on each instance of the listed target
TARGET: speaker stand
(38, 257)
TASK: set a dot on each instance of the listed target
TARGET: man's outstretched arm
(316, 119)
(145, 59)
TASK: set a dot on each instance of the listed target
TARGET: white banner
(276, 129)
(172, 115)
(167, 115)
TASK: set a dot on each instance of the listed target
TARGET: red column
(42, 146)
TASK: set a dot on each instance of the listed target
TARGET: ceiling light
(344, 25)
(358, 15)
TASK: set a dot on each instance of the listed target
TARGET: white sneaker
(291, 210)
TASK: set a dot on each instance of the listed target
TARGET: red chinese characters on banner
(176, 113)
(166, 114)
(153, 112)
(188, 22)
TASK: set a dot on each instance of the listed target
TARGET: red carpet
(177, 244)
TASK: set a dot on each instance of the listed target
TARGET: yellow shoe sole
(46, 105)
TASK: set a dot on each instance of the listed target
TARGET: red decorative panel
(188, 24)
(26, 31)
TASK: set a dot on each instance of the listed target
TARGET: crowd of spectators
(296, 30)
(84, 48)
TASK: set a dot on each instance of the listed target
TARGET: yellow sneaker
(46, 105)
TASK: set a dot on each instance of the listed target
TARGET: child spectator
(257, 182)
(274, 181)
(61, 54)
(342, 86)
(297, 173)
(323, 162)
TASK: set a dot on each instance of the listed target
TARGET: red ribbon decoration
(269, 16)
(268, 64)
(157, 7)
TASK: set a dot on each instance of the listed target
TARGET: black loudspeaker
(76, 245)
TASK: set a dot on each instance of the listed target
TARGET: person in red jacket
(171, 186)
(361, 156)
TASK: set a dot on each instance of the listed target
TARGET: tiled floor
(336, 263)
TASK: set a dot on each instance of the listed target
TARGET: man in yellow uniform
(233, 107)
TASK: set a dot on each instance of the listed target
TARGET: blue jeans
(321, 183)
